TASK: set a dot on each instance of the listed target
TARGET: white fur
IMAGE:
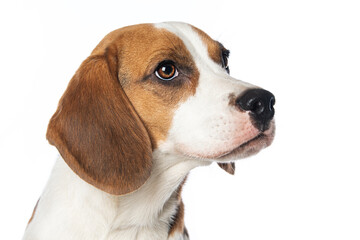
(70, 208)
(204, 126)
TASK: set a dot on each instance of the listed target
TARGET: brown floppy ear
(228, 167)
(98, 132)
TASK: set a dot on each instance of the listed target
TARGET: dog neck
(70, 206)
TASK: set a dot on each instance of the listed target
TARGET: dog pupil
(167, 70)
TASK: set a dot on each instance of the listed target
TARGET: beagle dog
(150, 103)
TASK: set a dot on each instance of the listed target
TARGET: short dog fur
(150, 103)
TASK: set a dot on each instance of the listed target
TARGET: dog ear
(98, 132)
(228, 167)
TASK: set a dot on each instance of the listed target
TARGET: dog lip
(259, 136)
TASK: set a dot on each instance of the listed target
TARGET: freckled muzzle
(260, 104)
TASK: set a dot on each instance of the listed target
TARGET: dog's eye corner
(166, 71)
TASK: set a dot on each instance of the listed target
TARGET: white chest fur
(70, 208)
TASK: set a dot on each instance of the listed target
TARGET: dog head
(163, 87)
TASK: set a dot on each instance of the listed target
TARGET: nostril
(272, 103)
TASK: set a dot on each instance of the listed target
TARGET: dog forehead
(141, 47)
(201, 45)
(140, 38)
(153, 37)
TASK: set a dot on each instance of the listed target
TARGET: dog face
(163, 87)
(212, 123)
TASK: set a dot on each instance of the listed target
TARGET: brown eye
(166, 71)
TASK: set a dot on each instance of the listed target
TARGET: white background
(305, 186)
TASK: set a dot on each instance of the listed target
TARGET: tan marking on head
(140, 49)
(214, 47)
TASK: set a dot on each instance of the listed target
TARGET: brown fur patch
(98, 132)
(141, 48)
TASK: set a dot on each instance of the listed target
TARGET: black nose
(260, 103)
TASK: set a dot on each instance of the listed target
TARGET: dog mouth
(253, 145)
(248, 148)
